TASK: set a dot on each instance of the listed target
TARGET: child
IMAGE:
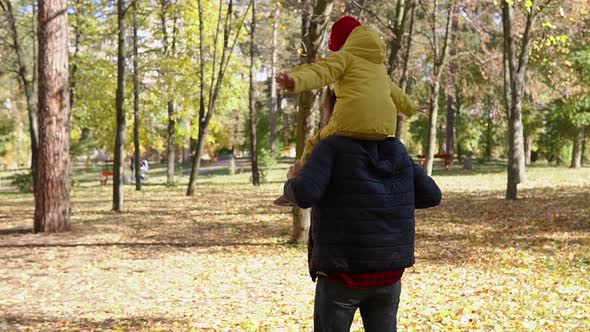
(367, 100)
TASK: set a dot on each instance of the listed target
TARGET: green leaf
(528, 4)
(563, 38)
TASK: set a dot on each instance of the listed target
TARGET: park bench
(447, 159)
(104, 177)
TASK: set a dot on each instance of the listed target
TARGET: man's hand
(294, 170)
(285, 82)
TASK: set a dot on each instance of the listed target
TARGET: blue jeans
(335, 305)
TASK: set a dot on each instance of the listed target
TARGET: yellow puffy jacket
(367, 100)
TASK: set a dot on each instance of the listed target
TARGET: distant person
(144, 167)
(363, 195)
(367, 100)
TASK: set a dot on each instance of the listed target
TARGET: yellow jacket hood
(365, 42)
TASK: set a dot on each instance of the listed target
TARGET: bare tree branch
(448, 30)
(237, 35)
(427, 36)
(215, 42)
(362, 8)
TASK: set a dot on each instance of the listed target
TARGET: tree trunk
(528, 142)
(432, 119)
(168, 50)
(584, 140)
(400, 23)
(399, 129)
(512, 181)
(232, 164)
(450, 127)
(27, 86)
(206, 114)
(196, 162)
(516, 78)
(171, 144)
(440, 60)
(512, 190)
(74, 58)
(489, 137)
(451, 90)
(252, 100)
(52, 195)
(273, 84)
(118, 163)
(305, 127)
(312, 31)
(137, 152)
(577, 148)
(519, 156)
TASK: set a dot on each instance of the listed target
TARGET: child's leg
(310, 144)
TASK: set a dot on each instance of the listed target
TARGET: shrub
(23, 182)
(266, 161)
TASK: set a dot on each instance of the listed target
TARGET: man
(363, 195)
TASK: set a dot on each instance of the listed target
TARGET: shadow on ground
(462, 227)
(41, 323)
(465, 226)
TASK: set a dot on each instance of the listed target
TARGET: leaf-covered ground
(220, 261)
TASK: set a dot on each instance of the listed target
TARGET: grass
(220, 261)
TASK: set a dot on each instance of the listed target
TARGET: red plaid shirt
(363, 280)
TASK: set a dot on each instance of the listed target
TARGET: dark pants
(335, 305)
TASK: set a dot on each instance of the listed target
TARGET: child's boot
(282, 201)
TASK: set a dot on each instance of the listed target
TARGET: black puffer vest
(363, 219)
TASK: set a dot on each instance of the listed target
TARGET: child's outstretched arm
(401, 100)
(318, 74)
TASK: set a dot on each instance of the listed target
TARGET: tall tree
(314, 21)
(403, 82)
(577, 149)
(577, 110)
(489, 127)
(516, 59)
(252, 101)
(451, 89)
(403, 9)
(26, 81)
(440, 57)
(206, 112)
(136, 152)
(52, 193)
(118, 163)
(273, 84)
(77, 29)
(168, 50)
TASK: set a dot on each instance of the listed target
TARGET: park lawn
(220, 261)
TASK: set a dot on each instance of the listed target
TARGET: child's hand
(285, 82)
(423, 108)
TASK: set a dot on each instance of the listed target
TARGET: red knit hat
(340, 32)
